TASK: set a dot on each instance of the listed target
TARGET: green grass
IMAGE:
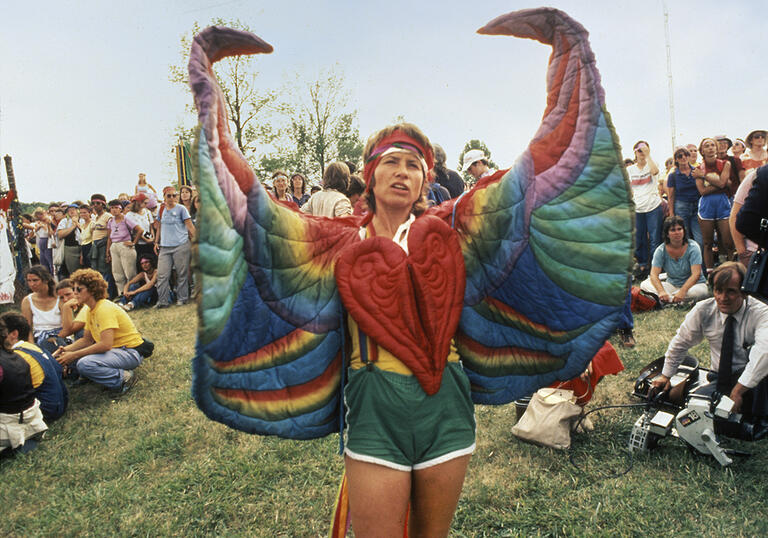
(151, 464)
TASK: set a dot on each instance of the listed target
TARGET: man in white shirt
(746, 380)
(475, 163)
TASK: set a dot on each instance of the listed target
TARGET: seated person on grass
(680, 259)
(45, 371)
(21, 420)
(67, 296)
(106, 354)
(140, 290)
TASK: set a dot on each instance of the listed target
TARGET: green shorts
(392, 422)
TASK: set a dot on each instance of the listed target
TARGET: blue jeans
(107, 368)
(689, 212)
(143, 298)
(648, 231)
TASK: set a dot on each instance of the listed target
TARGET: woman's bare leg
(726, 241)
(378, 498)
(707, 237)
(434, 495)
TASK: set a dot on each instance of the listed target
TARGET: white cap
(471, 157)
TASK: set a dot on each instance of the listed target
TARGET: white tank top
(45, 320)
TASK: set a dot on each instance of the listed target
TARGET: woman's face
(681, 159)
(297, 181)
(758, 140)
(35, 283)
(72, 212)
(676, 234)
(115, 210)
(709, 149)
(738, 149)
(186, 195)
(85, 213)
(65, 294)
(399, 178)
(81, 293)
(280, 184)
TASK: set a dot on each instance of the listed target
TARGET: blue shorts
(392, 422)
(714, 207)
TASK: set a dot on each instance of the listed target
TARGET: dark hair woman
(681, 261)
(299, 189)
(44, 311)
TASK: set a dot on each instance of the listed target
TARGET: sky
(86, 103)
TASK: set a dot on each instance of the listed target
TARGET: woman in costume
(712, 179)
(403, 445)
(497, 278)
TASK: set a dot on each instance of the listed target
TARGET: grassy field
(151, 464)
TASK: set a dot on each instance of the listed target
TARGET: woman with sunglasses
(174, 233)
(683, 194)
(756, 155)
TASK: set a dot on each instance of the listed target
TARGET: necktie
(726, 356)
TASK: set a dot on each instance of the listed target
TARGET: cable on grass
(630, 461)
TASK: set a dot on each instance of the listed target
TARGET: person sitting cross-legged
(45, 371)
(107, 353)
(140, 290)
(680, 259)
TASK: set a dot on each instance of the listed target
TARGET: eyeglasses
(758, 136)
(97, 202)
(174, 195)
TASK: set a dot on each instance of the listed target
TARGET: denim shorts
(714, 207)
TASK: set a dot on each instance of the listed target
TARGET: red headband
(397, 139)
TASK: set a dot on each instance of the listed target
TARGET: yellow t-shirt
(107, 315)
(99, 228)
(384, 360)
(35, 370)
(82, 315)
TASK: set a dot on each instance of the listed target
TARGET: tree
(320, 131)
(475, 144)
(250, 110)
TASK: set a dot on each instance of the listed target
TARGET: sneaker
(162, 305)
(127, 306)
(129, 380)
(627, 338)
(180, 302)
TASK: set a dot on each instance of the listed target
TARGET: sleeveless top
(45, 320)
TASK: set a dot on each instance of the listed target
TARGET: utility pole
(669, 78)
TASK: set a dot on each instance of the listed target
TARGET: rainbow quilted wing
(547, 244)
(270, 335)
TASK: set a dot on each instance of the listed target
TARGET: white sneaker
(128, 306)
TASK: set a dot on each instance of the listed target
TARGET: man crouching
(736, 328)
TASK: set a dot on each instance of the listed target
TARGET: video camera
(687, 412)
(756, 279)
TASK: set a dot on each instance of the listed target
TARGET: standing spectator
(450, 179)
(138, 213)
(738, 148)
(683, 194)
(331, 201)
(712, 179)
(172, 244)
(111, 347)
(44, 234)
(280, 186)
(299, 189)
(756, 156)
(475, 164)
(142, 187)
(693, 160)
(45, 371)
(86, 227)
(99, 234)
(744, 247)
(20, 417)
(43, 309)
(68, 233)
(648, 212)
(187, 199)
(737, 168)
(58, 244)
(121, 251)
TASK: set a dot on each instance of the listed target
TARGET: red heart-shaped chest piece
(408, 304)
